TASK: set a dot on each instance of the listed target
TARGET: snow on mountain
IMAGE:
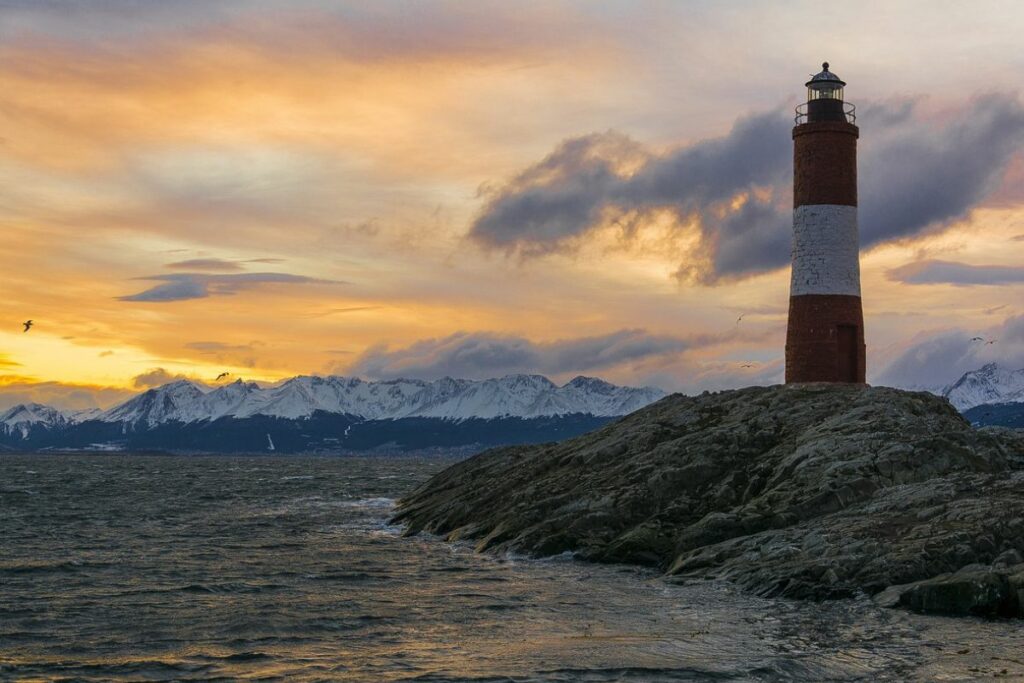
(988, 384)
(178, 401)
(22, 418)
(523, 396)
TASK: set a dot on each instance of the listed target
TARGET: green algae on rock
(809, 491)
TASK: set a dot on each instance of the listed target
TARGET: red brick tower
(825, 338)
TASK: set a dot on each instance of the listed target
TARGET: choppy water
(164, 568)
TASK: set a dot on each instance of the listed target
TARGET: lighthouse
(825, 334)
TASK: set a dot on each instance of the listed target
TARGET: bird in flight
(28, 326)
(748, 365)
(974, 339)
(740, 318)
(991, 341)
(221, 376)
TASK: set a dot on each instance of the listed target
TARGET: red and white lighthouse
(825, 336)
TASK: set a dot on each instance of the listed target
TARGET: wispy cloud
(65, 396)
(953, 273)
(206, 264)
(216, 347)
(184, 286)
(936, 358)
(481, 354)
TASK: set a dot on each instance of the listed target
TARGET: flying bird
(221, 376)
(991, 341)
(974, 339)
(748, 365)
(740, 318)
(28, 326)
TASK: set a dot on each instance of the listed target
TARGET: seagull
(974, 339)
(991, 341)
(748, 365)
(221, 376)
(739, 319)
(28, 326)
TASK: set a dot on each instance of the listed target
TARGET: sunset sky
(384, 189)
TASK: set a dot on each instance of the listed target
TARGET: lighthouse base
(825, 339)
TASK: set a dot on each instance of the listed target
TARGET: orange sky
(271, 188)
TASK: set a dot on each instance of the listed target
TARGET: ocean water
(121, 567)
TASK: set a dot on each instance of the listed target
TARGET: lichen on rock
(807, 491)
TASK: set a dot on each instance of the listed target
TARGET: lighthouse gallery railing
(849, 112)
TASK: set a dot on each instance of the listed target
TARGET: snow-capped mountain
(21, 419)
(522, 396)
(988, 384)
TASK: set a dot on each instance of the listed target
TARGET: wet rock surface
(810, 491)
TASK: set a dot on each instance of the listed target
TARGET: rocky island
(811, 491)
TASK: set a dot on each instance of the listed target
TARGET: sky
(269, 188)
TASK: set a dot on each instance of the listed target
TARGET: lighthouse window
(825, 93)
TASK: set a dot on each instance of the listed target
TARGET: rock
(974, 590)
(809, 491)
(1008, 559)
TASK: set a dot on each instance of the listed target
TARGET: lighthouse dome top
(825, 79)
(825, 100)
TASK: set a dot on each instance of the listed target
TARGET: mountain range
(331, 414)
(346, 414)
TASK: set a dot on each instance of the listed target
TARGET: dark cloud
(1018, 238)
(937, 359)
(182, 286)
(950, 272)
(914, 177)
(482, 355)
(550, 205)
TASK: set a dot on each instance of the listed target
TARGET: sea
(122, 567)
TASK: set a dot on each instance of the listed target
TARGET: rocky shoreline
(804, 491)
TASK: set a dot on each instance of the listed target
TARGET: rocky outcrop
(810, 491)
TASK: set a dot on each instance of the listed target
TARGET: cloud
(915, 177)
(183, 286)
(936, 359)
(14, 390)
(234, 354)
(573, 191)
(216, 347)
(155, 378)
(1018, 238)
(949, 272)
(482, 355)
(210, 264)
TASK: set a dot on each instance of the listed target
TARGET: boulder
(974, 590)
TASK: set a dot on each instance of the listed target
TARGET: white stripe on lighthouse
(825, 250)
